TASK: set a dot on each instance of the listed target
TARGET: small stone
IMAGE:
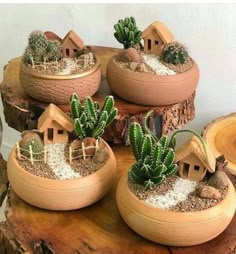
(129, 55)
(209, 193)
(133, 66)
(101, 155)
(142, 68)
(218, 180)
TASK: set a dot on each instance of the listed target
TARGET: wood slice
(21, 112)
(95, 229)
(220, 135)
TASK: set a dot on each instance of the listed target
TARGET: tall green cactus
(89, 119)
(127, 33)
(155, 158)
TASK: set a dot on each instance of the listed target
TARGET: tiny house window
(149, 44)
(75, 50)
(156, 42)
(67, 52)
(196, 167)
(60, 132)
(50, 134)
(185, 169)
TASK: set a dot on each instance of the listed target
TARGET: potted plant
(160, 73)
(52, 69)
(166, 208)
(59, 171)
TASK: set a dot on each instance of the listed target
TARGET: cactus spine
(89, 119)
(127, 33)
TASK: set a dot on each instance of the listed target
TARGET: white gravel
(57, 162)
(153, 62)
(70, 66)
(181, 189)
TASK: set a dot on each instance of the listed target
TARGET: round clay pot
(58, 88)
(174, 228)
(148, 89)
(61, 194)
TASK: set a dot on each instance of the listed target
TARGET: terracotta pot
(174, 228)
(61, 194)
(58, 88)
(147, 89)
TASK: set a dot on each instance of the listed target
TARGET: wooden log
(21, 112)
(97, 229)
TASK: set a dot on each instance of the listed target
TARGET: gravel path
(56, 161)
(181, 189)
(70, 66)
(153, 62)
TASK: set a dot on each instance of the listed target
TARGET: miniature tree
(89, 119)
(154, 158)
(175, 53)
(127, 33)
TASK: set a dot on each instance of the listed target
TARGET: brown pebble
(218, 180)
(209, 192)
(133, 66)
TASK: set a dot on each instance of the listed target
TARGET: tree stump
(97, 229)
(21, 112)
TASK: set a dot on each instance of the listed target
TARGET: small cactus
(175, 53)
(37, 39)
(37, 148)
(127, 33)
(89, 119)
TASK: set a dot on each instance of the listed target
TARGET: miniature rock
(218, 180)
(101, 155)
(209, 193)
(28, 135)
(141, 68)
(133, 66)
(129, 55)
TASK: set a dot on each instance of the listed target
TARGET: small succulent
(154, 157)
(175, 53)
(89, 119)
(127, 33)
(37, 39)
(36, 145)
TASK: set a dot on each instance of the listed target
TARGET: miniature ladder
(57, 162)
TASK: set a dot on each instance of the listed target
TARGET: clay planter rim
(34, 73)
(166, 215)
(60, 183)
(161, 78)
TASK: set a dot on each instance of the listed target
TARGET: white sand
(153, 62)
(181, 189)
(70, 66)
(56, 161)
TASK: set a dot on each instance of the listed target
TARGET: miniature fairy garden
(153, 178)
(153, 68)
(167, 189)
(52, 158)
(52, 68)
(65, 156)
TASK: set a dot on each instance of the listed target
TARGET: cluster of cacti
(155, 160)
(40, 49)
(127, 33)
(175, 53)
(90, 120)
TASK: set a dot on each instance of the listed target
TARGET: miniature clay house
(192, 160)
(55, 125)
(155, 37)
(71, 44)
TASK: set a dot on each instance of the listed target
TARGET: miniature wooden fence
(83, 150)
(32, 154)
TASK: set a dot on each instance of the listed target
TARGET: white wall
(209, 31)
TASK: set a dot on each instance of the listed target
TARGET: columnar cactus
(175, 53)
(127, 33)
(89, 119)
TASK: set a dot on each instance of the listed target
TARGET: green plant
(127, 33)
(154, 157)
(89, 119)
(175, 53)
(36, 145)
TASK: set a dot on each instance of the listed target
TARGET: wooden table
(95, 229)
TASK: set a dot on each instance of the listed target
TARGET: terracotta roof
(52, 36)
(53, 113)
(194, 146)
(161, 30)
(75, 38)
